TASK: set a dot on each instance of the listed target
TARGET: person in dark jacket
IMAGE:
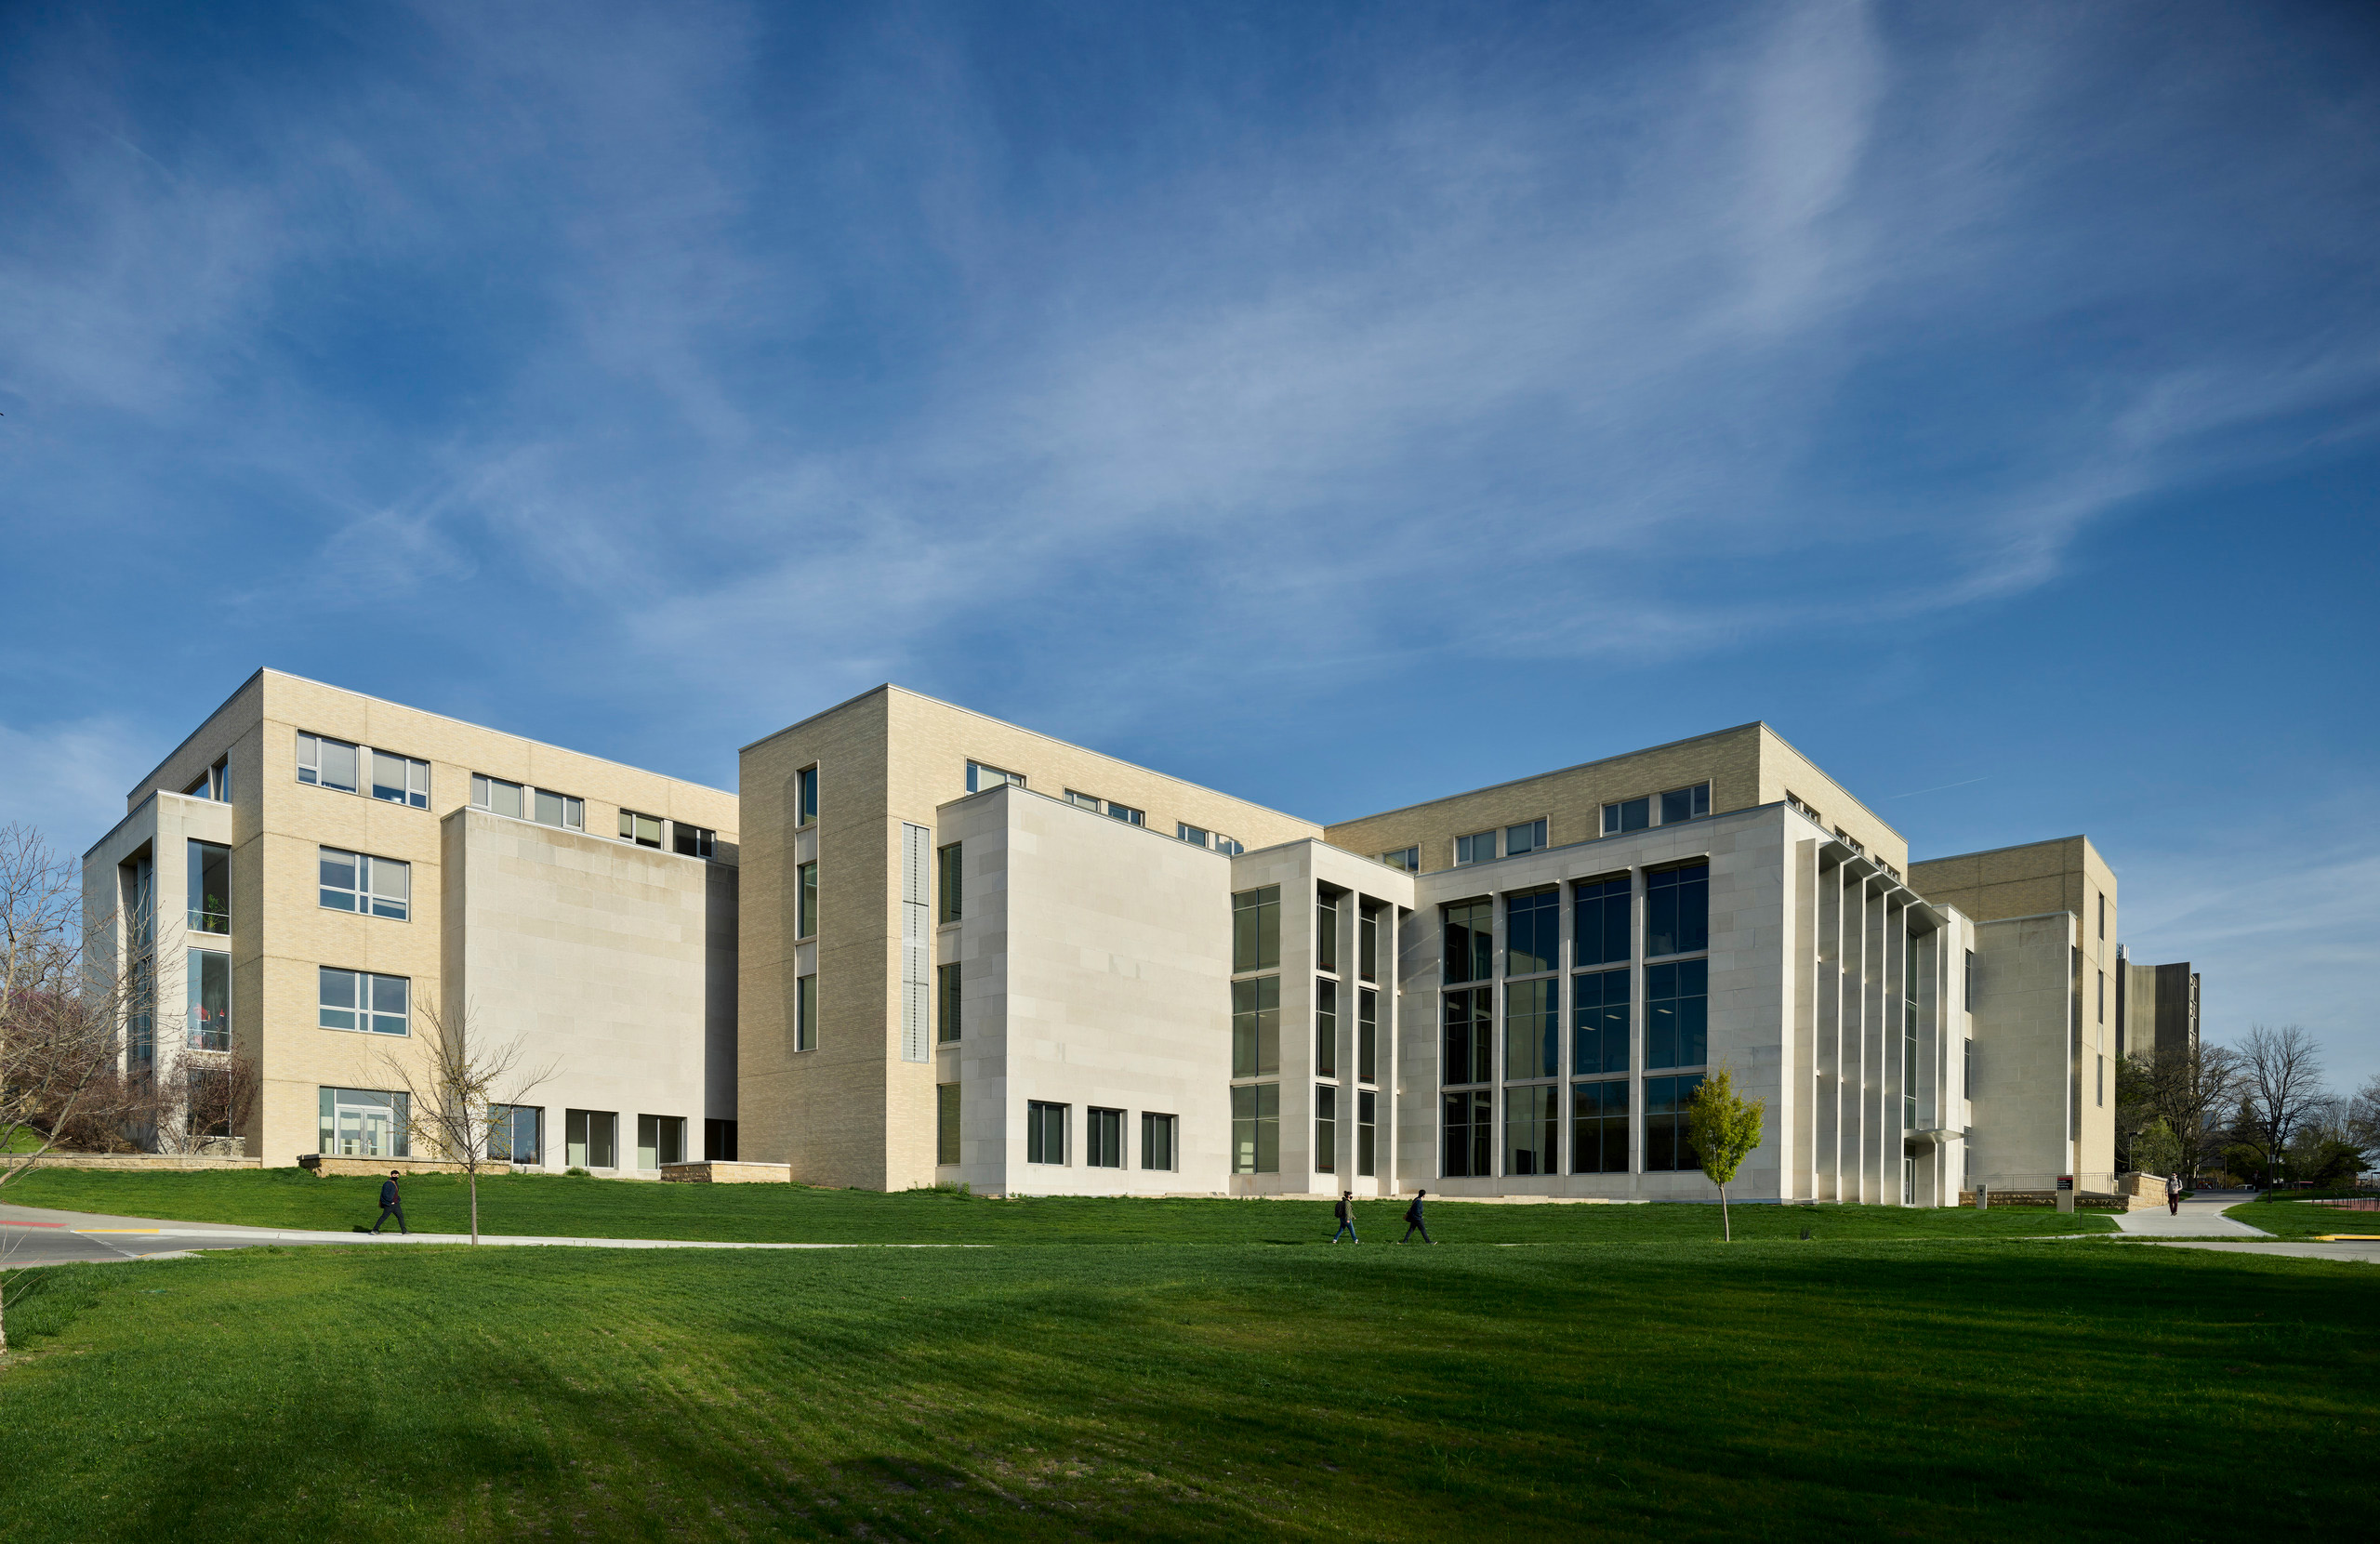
(2173, 1197)
(1413, 1222)
(1346, 1210)
(392, 1204)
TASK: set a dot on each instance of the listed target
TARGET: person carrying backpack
(1346, 1213)
(1413, 1222)
(391, 1205)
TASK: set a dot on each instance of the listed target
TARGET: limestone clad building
(926, 946)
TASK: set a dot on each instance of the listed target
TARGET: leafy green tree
(2158, 1151)
(1724, 1128)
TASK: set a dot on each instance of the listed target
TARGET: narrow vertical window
(950, 883)
(946, 1023)
(1103, 1139)
(1532, 933)
(805, 1013)
(1600, 932)
(1470, 1130)
(1677, 1014)
(806, 796)
(1326, 1027)
(1256, 1027)
(1256, 1128)
(1367, 1035)
(1156, 1140)
(805, 910)
(1364, 1139)
(945, 1123)
(1533, 1029)
(1599, 1022)
(1367, 944)
(209, 973)
(1256, 930)
(1326, 933)
(1667, 1145)
(1326, 1128)
(210, 888)
(1470, 951)
(1532, 1129)
(1599, 1127)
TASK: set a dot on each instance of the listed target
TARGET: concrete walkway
(35, 1236)
(2368, 1254)
(2198, 1218)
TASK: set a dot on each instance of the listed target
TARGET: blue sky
(1338, 406)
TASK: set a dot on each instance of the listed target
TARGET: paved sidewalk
(34, 1236)
(2198, 1220)
(2367, 1253)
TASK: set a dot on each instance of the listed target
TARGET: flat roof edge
(1563, 772)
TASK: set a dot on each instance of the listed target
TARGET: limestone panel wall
(2024, 1084)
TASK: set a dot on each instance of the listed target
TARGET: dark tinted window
(1602, 930)
(1677, 911)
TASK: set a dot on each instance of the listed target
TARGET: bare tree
(212, 1100)
(2190, 1093)
(60, 1006)
(459, 1098)
(2363, 1117)
(2282, 1075)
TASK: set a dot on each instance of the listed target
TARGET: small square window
(1685, 803)
(1633, 814)
(1477, 849)
(1526, 837)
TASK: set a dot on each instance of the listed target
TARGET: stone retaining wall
(727, 1173)
(320, 1165)
(143, 1162)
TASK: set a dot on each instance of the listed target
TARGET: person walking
(1413, 1222)
(1346, 1210)
(2173, 1196)
(391, 1205)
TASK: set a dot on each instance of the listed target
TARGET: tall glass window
(1532, 932)
(945, 1123)
(1532, 1129)
(1326, 1027)
(1367, 944)
(805, 1013)
(1533, 1029)
(1325, 933)
(1677, 1014)
(209, 974)
(1470, 1126)
(805, 796)
(1367, 1035)
(1045, 1132)
(1256, 1128)
(1256, 930)
(1599, 1022)
(1599, 1127)
(1256, 1027)
(1470, 942)
(805, 909)
(1156, 1140)
(1677, 911)
(1364, 1108)
(210, 888)
(950, 882)
(1909, 1031)
(1470, 1045)
(946, 998)
(1667, 1146)
(1326, 1128)
(1601, 933)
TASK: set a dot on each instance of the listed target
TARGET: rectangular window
(1685, 803)
(400, 780)
(2103, 997)
(1367, 944)
(362, 1001)
(660, 1140)
(1478, 848)
(366, 1123)
(215, 782)
(1126, 813)
(1366, 1103)
(1599, 1127)
(1197, 836)
(1677, 911)
(2103, 914)
(1256, 1027)
(945, 1021)
(1325, 1028)
(805, 904)
(558, 809)
(1599, 1022)
(1045, 1131)
(980, 777)
(1228, 846)
(1532, 933)
(1326, 1128)
(1677, 1014)
(1256, 930)
(1082, 800)
(805, 1013)
(1256, 1128)
(805, 796)
(1367, 1035)
(1529, 837)
(1632, 814)
(1667, 1146)
(1966, 986)
(719, 1141)
(1406, 857)
(1966, 1067)
(1533, 1029)
(326, 763)
(365, 885)
(1470, 1050)
(516, 1133)
(950, 882)
(1533, 1129)
(1470, 1123)
(1103, 1137)
(1601, 930)
(2103, 1080)
(210, 887)
(1470, 942)
(643, 830)
(1326, 933)
(694, 842)
(945, 1123)
(495, 795)
(209, 972)
(592, 1138)
(1156, 1140)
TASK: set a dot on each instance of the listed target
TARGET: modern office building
(2156, 1008)
(928, 946)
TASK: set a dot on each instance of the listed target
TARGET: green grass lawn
(552, 1206)
(1920, 1389)
(2302, 1219)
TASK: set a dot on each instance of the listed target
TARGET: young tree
(461, 1093)
(1723, 1127)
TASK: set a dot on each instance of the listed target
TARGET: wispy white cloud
(67, 779)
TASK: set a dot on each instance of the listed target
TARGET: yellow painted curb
(2346, 1238)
